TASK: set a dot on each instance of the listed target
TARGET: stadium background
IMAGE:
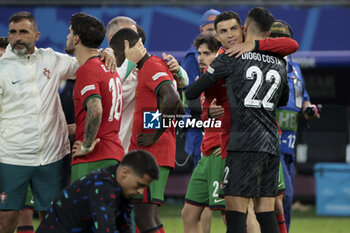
(320, 27)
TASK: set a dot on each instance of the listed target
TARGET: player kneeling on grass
(101, 201)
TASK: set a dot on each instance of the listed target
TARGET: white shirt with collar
(33, 129)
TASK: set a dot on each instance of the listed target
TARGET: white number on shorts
(271, 76)
(115, 87)
(226, 171)
(216, 185)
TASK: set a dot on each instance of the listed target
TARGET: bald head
(118, 23)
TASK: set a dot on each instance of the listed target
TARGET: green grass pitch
(302, 222)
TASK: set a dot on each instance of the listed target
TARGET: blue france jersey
(287, 116)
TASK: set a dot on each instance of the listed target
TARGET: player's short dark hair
(90, 30)
(19, 16)
(142, 162)
(3, 42)
(212, 43)
(262, 17)
(117, 42)
(227, 15)
(141, 33)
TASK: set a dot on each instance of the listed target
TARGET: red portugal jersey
(93, 79)
(153, 74)
(211, 138)
(216, 137)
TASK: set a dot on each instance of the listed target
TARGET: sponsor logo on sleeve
(158, 75)
(87, 88)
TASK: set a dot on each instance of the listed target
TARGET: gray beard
(20, 52)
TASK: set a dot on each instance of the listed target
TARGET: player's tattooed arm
(92, 125)
(92, 120)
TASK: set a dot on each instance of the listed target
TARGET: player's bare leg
(223, 217)
(206, 220)
(8, 220)
(252, 224)
(191, 218)
(25, 221)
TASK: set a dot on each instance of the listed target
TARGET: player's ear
(76, 39)
(125, 171)
(246, 26)
(36, 36)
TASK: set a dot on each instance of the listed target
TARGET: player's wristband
(85, 149)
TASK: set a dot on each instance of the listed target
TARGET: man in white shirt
(33, 130)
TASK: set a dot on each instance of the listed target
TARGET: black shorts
(251, 174)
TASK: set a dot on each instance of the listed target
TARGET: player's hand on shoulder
(79, 150)
(240, 48)
(135, 53)
(145, 139)
(107, 55)
(171, 63)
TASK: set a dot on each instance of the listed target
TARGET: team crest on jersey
(3, 197)
(151, 120)
(47, 73)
